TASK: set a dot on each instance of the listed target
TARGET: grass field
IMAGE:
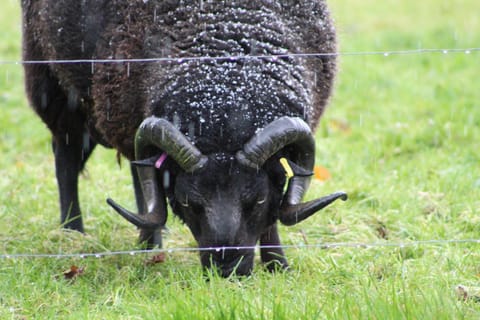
(401, 136)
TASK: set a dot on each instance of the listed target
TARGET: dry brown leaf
(73, 272)
(468, 293)
(159, 258)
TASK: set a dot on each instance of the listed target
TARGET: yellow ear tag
(286, 167)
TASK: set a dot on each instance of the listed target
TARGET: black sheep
(213, 136)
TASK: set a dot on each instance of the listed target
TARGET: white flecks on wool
(231, 94)
(223, 157)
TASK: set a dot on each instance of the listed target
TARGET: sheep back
(219, 104)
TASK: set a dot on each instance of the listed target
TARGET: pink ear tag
(160, 160)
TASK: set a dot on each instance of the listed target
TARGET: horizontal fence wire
(247, 57)
(333, 245)
(359, 245)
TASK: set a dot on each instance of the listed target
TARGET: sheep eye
(261, 201)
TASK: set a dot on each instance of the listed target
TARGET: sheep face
(228, 205)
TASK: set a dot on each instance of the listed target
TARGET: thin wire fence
(333, 245)
(250, 57)
(364, 245)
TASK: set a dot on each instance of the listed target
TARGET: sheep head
(228, 200)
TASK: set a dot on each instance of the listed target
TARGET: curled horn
(288, 131)
(164, 135)
(159, 133)
(274, 137)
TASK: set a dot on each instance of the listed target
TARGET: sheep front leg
(71, 153)
(68, 164)
(272, 256)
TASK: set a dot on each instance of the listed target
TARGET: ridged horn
(285, 131)
(141, 221)
(164, 135)
(159, 133)
(293, 214)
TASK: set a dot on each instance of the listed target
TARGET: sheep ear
(294, 170)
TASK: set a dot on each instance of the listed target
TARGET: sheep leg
(71, 153)
(71, 145)
(68, 164)
(272, 256)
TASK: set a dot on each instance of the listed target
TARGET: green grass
(406, 151)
